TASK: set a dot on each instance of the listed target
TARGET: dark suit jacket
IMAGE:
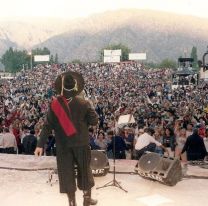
(195, 147)
(29, 144)
(82, 115)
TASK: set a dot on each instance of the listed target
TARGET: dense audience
(171, 119)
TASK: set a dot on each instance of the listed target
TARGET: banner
(41, 58)
(126, 119)
(112, 56)
(111, 59)
(137, 56)
(112, 52)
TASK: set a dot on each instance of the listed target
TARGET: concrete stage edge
(30, 188)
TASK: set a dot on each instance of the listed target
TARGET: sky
(82, 8)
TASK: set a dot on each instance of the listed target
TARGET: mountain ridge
(160, 34)
(175, 33)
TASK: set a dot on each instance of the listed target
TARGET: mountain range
(161, 35)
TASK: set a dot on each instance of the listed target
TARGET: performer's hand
(38, 151)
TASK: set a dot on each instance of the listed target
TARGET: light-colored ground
(29, 188)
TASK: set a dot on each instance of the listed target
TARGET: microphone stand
(114, 182)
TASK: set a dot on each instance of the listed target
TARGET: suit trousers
(79, 157)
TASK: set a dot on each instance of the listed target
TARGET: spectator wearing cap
(147, 143)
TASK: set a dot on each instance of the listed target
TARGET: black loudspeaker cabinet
(99, 163)
(166, 170)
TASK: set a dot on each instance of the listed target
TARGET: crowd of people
(170, 119)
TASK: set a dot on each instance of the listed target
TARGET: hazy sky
(82, 8)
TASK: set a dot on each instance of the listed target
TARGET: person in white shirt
(9, 142)
(146, 142)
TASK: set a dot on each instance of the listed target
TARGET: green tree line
(14, 60)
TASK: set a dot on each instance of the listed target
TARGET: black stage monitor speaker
(163, 169)
(99, 163)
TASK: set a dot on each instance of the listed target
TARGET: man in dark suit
(195, 147)
(70, 116)
(29, 143)
(117, 146)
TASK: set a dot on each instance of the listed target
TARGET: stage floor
(23, 188)
(30, 188)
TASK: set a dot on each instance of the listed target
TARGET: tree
(56, 58)
(168, 63)
(194, 56)
(76, 61)
(124, 51)
(15, 60)
(151, 65)
(51, 59)
(40, 51)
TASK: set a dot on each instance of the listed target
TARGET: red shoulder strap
(64, 120)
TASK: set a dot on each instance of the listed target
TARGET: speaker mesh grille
(98, 160)
(149, 161)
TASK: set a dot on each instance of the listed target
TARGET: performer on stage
(70, 116)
